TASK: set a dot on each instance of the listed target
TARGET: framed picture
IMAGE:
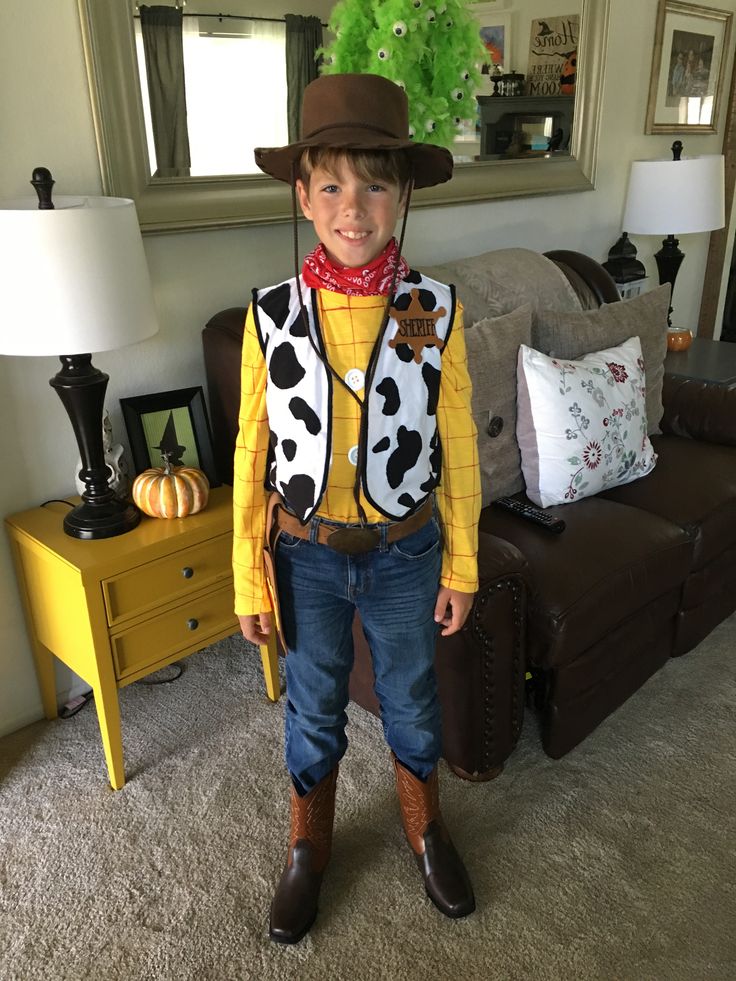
(495, 33)
(690, 49)
(170, 422)
(553, 56)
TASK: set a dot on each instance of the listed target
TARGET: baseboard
(29, 716)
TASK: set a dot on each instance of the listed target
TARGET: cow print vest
(401, 450)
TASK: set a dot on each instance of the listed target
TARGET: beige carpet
(615, 863)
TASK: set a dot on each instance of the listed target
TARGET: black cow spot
(406, 500)
(270, 478)
(284, 368)
(300, 410)
(382, 445)
(404, 456)
(390, 391)
(428, 485)
(435, 455)
(428, 300)
(431, 378)
(299, 326)
(289, 448)
(404, 352)
(403, 302)
(276, 304)
(299, 494)
(273, 439)
(413, 276)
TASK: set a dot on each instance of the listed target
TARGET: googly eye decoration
(383, 54)
(448, 24)
(399, 28)
(464, 75)
(412, 132)
(440, 7)
(457, 94)
(431, 16)
(456, 120)
(430, 126)
(418, 4)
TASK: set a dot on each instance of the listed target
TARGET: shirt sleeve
(249, 493)
(458, 495)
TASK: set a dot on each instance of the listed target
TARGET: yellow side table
(117, 609)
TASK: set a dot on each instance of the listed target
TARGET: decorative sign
(553, 56)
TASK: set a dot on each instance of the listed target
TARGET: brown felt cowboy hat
(357, 112)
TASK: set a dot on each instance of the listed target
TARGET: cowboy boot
(445, 877)
(294, 905)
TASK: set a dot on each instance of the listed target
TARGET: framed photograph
(690, 49)
(495, 33)
(170, 422)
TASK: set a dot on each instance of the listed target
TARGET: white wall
(47, 122)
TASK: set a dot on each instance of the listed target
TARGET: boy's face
(354, 218)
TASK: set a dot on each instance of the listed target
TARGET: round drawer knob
(192, 624)
(187, 572)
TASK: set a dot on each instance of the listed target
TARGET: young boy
(355, 411)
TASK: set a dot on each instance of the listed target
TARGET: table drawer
(155, 584)
(169, 633)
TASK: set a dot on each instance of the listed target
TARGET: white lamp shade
(675, 197)
(73, 280)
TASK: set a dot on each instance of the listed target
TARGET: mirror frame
(186, 204)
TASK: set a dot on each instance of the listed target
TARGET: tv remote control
(531, 513)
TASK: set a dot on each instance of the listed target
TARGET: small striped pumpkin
(171, 492)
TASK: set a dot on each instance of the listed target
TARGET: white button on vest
(353, 455)
(355, 379)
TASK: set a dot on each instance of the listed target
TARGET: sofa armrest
(222, 342)
(480, 669)
(699, 410)
(596, 279)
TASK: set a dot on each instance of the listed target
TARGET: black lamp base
(81, 388)
(90, 521)
(669, 259)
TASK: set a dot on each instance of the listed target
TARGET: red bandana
(371, 280)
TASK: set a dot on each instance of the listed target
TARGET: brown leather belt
(354, 541)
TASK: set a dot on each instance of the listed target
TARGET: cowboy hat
(357, 112)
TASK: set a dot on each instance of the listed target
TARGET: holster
(271, 537)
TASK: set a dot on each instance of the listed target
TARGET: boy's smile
(354, 217)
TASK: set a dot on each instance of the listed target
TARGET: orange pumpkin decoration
(171, 492)
(679, 339)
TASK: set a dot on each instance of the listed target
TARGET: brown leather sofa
(641, 573)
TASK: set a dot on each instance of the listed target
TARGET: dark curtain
(303, 38)
(162, 43)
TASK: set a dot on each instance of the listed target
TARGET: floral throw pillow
(582, 425)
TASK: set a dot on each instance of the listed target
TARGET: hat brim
(430, 164)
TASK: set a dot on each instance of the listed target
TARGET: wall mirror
(198, 202)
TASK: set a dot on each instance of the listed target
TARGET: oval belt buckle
(354, 541)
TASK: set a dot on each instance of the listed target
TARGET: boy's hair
(384, 166)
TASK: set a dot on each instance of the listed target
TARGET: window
(229, 109)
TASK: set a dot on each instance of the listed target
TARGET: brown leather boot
(294, 905)
(445, 877)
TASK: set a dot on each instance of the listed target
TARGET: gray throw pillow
(480, 297)
(493, 347)
(571, 335)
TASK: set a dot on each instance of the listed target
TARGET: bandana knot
(373, 279)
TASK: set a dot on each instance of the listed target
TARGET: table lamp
(74, 281)
(668, 197)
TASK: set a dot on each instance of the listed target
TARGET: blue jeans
(394, 588)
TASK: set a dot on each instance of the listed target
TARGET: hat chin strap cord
(376, 347)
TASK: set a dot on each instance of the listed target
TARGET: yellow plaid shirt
(349, 326)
